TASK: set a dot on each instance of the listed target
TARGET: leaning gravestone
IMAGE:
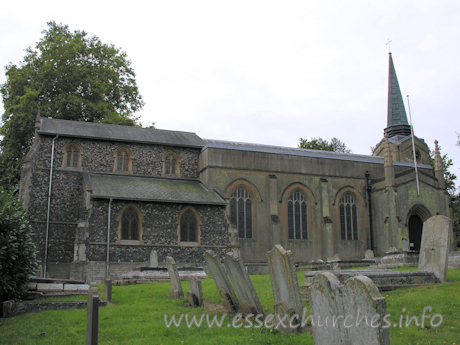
(347, 314)
(176, 287)
(285, 287)
(248, 301)
(434, 249)
(217, 271)
(195, 294)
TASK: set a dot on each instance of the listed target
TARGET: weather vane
(388, 44)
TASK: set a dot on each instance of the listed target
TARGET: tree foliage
(17, 249)
(449, 177)
(67, 75)
(335, 145)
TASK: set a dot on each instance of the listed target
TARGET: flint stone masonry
(434, 249)
(357, 300)
(217, 271)
(248, 301)
(176, 287)
(284, 284)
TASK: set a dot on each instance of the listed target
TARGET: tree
(335, 145)
(68, 75)
(17, 249)
(449, 177)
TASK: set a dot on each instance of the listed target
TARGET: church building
(103, 199)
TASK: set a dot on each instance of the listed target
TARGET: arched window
(297, 217)
(123, 160)
(171, 164)
(72, 156)
(348, 217)
(188, 227)
(241, 212)
(130, 224)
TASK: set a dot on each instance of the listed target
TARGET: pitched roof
(123, 187)
(93, 130)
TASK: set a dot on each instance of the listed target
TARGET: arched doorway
(415, 232)
(415, 218)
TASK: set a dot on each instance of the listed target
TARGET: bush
(17, 249)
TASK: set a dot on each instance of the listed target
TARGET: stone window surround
(311, 202)
(115, 161)
(70, 147)
(198, 228)
(171, 156)
(141, 223)
(359, 211)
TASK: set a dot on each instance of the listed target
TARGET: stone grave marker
(248, 301)
(153, 260)
(352, 313)
(285, 287)
(195, 294)
(362, 298)
(217, 271)
(176, 287)
(434, 248)
(326, 303)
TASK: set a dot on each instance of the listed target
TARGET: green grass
(137, 317)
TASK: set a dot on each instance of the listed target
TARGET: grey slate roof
(230, 145)
(123, 187)
(396, 111)
(92, 130)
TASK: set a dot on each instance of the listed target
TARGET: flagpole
(413, 146)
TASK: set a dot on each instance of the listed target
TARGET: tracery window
(72, 156)
(297, 217)
(170, 164)
(241, 212)
(188, 226)
(348, 217)
(123, 160)
(130, 224)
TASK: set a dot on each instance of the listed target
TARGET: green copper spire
(396, 119)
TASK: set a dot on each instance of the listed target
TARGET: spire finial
(388, 44)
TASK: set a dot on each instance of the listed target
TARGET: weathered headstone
(108, 290)
(248, 301)
(363, 301)
(369, 254)
(219, 275)
(195, 294)
(352, 313)
(326, 303)
(405, 245)
(92, 316)
(153, 260)
(176, 287)
(434, 249)
(285, 288)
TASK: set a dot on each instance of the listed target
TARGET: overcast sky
(270, 72)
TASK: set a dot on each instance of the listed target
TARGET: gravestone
(326, 303)
(248, 301)
(153, 261)
(285, 287)
(108, 290)
(176, 287)
(195, 294)
(434, 248)
(352, 313)
(217, 271)
(92, 315)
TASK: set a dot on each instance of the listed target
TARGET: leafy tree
(17, 249)
(68, 75)
(335, 145)
(449, 177)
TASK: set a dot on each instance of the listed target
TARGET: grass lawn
(137, 317)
